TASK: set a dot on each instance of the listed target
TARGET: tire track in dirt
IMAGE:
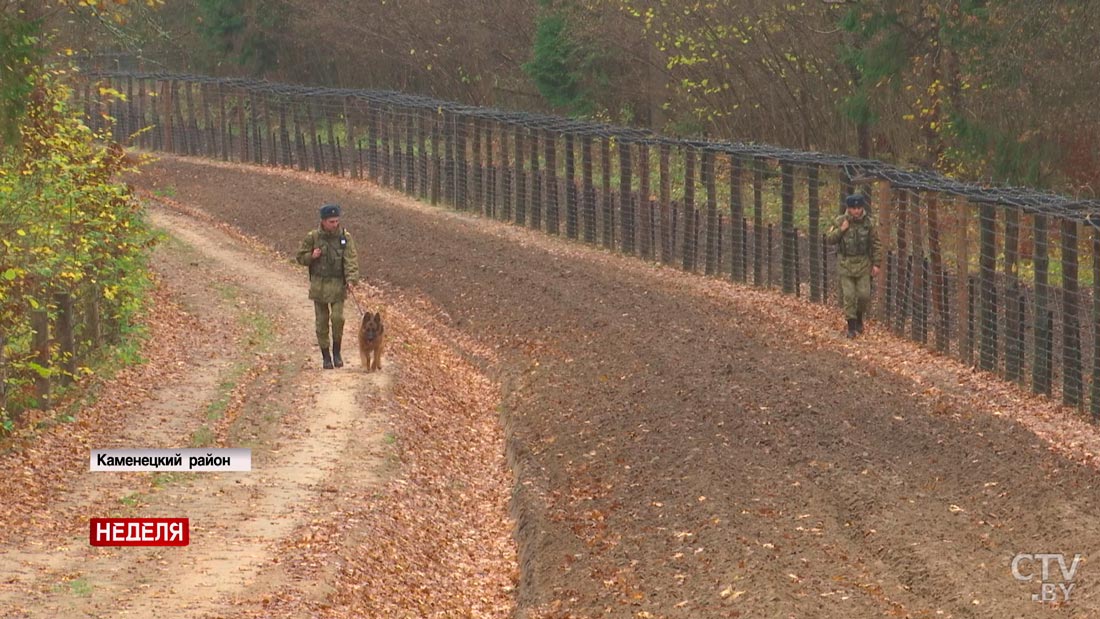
(237, 518)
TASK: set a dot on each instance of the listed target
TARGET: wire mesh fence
(1005, 278)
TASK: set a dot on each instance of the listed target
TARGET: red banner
(139, 532)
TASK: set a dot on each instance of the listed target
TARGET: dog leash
(354, 297)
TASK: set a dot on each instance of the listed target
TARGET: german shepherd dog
(370, 340)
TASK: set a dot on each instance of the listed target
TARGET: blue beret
(855, 200)
(330, 210)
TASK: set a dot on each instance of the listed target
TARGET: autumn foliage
(68, 226)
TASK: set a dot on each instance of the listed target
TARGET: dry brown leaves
(435, 539)
(43, 463)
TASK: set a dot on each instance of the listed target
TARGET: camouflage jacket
(858, 247)
(337, 266)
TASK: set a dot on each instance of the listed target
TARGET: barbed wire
(864, 170)
(996, 276)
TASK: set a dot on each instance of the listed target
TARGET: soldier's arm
(305, 251)
(351, 261)
(833, 234)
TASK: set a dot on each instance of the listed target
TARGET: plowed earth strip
(685, 447)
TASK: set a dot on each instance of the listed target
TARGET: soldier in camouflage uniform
(860, 252)
(329, 252)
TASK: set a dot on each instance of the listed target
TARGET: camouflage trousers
(855, 293)
(324, 314)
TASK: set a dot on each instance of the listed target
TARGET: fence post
(786, 231)
(166, 96)
(491, 171)
(1014, 327)
(1071, 330)
(372, 142)
(758, 221)
(142, 140)
(257, 145)
(272, 142)
(423, 174)
(938, 302)
(223, 129)
(243, 126)
(988, 265)
(437, 159)
(710, 266)
(195, 135)
(448, 120)
(962, 296)
(182, 145)
(645, 205)
(813, 232)
(550, 145)
(608, 207)
(626, 203)
(410, 154)
(507, 170)
(689, 209)
(920, 271)
(127, 123)
(589, 194)
(476, 168)
(462, 187)
(901, 295)
(520, 214)
(570, 188)
(301, 150)
(1042, 371)
(738, 271)
(665, 197)
(536, 182)
(211, 135)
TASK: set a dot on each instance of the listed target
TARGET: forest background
(999, 92)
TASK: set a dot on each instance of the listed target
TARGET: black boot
(326, 358)
(336, 360)
(851, 328)
(859, 324)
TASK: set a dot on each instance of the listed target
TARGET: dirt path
(685, 447)
(242, 384)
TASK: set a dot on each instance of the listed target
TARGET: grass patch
(131, 500)
(168, 191)
(261, 329)
(160, 480)
(217, 407)
(226, 292)
(203, 437)
(76, 586)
